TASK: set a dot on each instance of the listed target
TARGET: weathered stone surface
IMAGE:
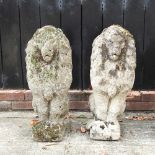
(112, 74)
(49, 75)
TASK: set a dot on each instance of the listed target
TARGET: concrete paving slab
(138, 137)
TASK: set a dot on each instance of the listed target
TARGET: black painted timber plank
(1, 63)
(29, 22)
(1, 73)
(50, 12)
(134, 22)
(112, 12)
(71, 25)
(149, 48)
(91, 28)
(10, 40)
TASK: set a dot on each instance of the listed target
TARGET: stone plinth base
(100, 130)
(48, 131)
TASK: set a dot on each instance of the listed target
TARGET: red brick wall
(21, 100)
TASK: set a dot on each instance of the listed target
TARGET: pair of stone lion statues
(49, 76)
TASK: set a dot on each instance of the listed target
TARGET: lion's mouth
(114, 56)
(47, 58)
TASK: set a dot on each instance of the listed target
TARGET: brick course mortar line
(21, 100)
(74, 105)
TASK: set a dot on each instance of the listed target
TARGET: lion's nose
(116, 51)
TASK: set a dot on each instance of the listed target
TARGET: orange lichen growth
(34, 122)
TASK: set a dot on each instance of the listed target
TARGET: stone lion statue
(113, 63)
(49, 76)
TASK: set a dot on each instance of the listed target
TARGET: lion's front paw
(100, 130)
(48, 96)
(114, 129)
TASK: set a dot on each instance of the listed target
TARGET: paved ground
(138, 137)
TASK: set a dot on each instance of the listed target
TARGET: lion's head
(47, 45)
(116, 40)
(49, 49)
(115, 44)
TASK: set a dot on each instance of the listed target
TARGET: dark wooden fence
(81, 21)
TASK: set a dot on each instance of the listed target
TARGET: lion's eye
(110, 42)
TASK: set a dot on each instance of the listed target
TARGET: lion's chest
(47, 72)
(113, 72)
(113, 78)
(42, 74)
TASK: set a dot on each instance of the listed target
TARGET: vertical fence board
(112, 12)
(149, 50)
(134, 22)
(19, 19)
(71, 25)
(91, 27)
(1, 73)
(29, 22)
(50, 12)
(10, 39)
(1, 82)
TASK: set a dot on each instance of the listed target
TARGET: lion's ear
(31, 47)
(36, 33)
(64, 46)
(130, 46)
(131, 52)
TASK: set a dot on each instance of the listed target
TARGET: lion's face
(47, 51)
(115, 44)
